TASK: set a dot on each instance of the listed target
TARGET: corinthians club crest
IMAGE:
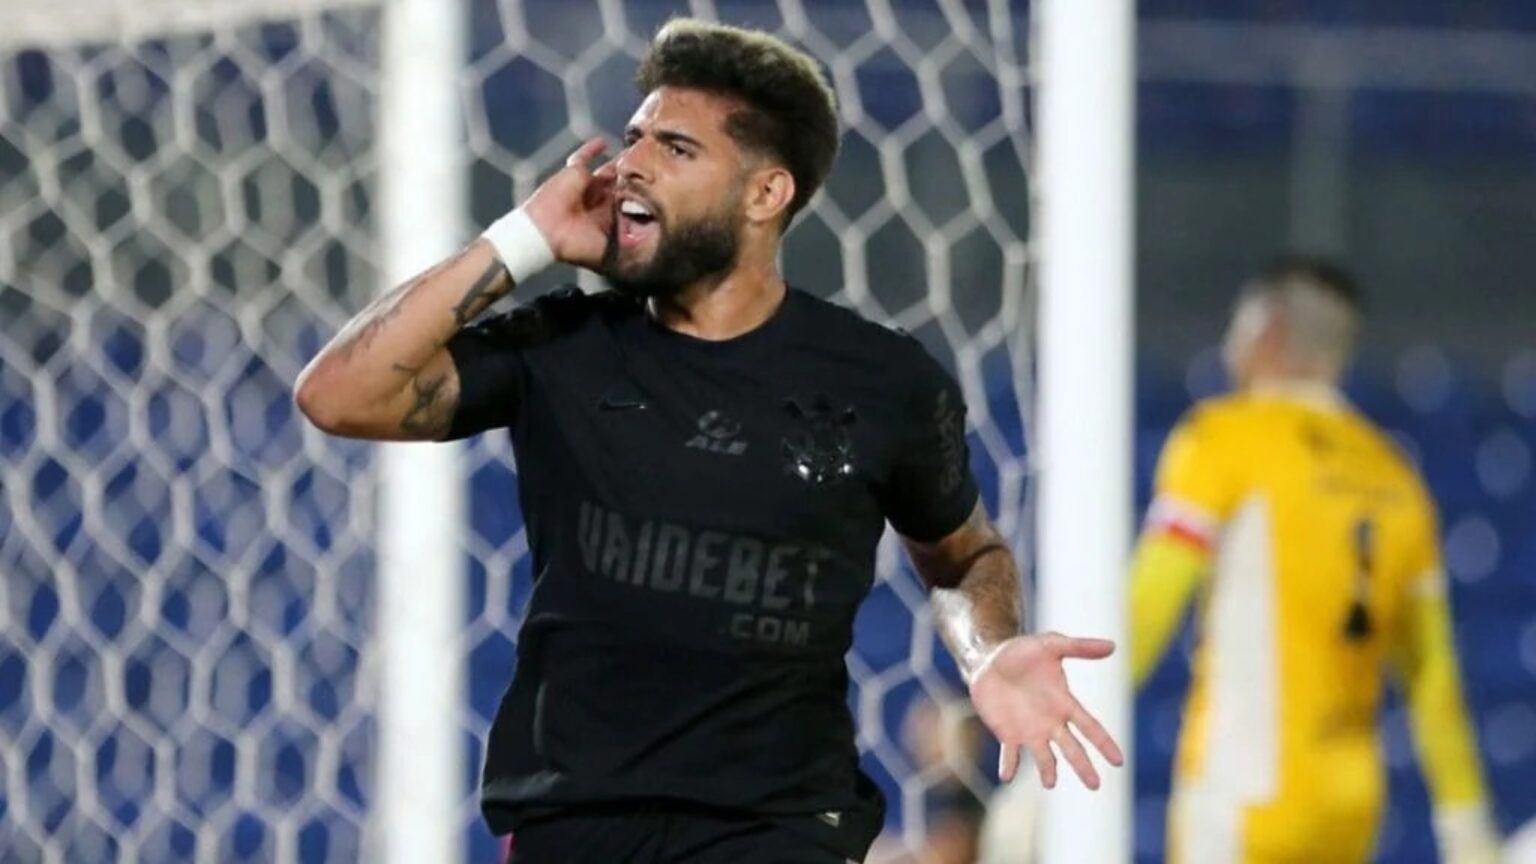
(819, 449)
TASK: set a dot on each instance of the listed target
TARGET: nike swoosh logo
(609, 403)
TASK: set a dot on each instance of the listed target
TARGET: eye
(677, 149)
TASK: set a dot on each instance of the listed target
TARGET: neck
(1325, 387)
(724, 307)
(1290, 372)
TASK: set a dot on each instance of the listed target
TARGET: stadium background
(204, 679)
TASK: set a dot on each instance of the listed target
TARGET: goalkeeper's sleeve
(1198, 481)
(1425, 658)
(1165, 572)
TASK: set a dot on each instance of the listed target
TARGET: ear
(770, 189)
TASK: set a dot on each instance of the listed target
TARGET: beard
(685, 254)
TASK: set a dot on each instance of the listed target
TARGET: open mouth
(637, 222)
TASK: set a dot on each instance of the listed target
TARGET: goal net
(189, 208)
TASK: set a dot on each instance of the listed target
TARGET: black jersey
(702, 518)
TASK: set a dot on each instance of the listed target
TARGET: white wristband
(519, 244)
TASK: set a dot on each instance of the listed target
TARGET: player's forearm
(1437, 708)
(979, 614)
(388, 360)
(1425, 655)
(1445, 739)
(1464, 826)
(974, 591)
(1164, 575)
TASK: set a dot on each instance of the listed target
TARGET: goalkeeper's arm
(1198, 479)
(1167, 568)
(1425, 657)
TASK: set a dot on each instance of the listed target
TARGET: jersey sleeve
(1193, 493)
(490, 357)
(492, 376)
(1424, 654)
(1197, 483)
(930, 490)
(1165, 573)
(1425, 570)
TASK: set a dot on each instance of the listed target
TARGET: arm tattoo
(490, 285)
(431, 411)
(361, 330)
(974, 590)
(953, 573)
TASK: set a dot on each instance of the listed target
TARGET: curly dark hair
(789, 112)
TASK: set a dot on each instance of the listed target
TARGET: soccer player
(1312, 544)
(707, 459)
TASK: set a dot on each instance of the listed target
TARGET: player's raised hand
(573, 209)
(1022, 696)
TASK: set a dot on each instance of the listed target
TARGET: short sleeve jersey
(702, 518)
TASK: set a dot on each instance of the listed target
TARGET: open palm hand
(1022, 696)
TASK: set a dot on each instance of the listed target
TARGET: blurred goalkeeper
(707, 459)
(1312, 543)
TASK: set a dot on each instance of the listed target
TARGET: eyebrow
(666, 136)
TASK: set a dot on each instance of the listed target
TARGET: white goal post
(1085, 134)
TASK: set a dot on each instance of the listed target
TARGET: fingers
(1096, 735)
(1084, 649)
(1076, 756)
(598, 193)
(1007, 762)
(589, 150)
(1045, 761)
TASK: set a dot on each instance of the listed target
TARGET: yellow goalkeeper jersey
(1311, 543)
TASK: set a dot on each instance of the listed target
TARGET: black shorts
(662, 834)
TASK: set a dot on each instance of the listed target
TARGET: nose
(634, 161)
